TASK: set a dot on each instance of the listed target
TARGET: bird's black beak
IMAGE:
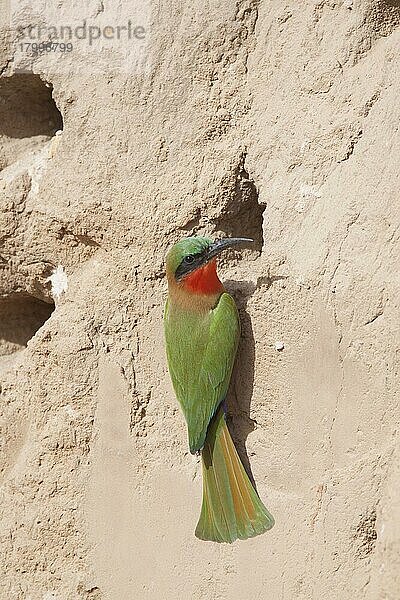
(219, 245)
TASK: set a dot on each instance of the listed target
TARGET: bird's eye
(189, 259)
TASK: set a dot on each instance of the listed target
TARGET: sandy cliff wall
(266, 119)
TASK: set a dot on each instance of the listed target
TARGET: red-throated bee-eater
(202, 331)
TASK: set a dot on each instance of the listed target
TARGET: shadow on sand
(241, 388)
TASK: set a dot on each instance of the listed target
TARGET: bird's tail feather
(231, 507)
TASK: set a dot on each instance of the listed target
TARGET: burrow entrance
(27, 108)
(29, 116)
(242, 212)
(21, 316)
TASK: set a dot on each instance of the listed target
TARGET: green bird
(202, 331)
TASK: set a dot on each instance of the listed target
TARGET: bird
(202, 330)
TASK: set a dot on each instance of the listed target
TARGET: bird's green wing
(201, 351)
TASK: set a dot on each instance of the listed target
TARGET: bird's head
(191, 263)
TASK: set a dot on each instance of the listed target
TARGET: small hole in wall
(27, 107)
(242, 213)
(21, 316)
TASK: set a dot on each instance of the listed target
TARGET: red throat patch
(204, 280)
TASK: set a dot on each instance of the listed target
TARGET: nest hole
(242, 212)
(21, 316)
(27, 107)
